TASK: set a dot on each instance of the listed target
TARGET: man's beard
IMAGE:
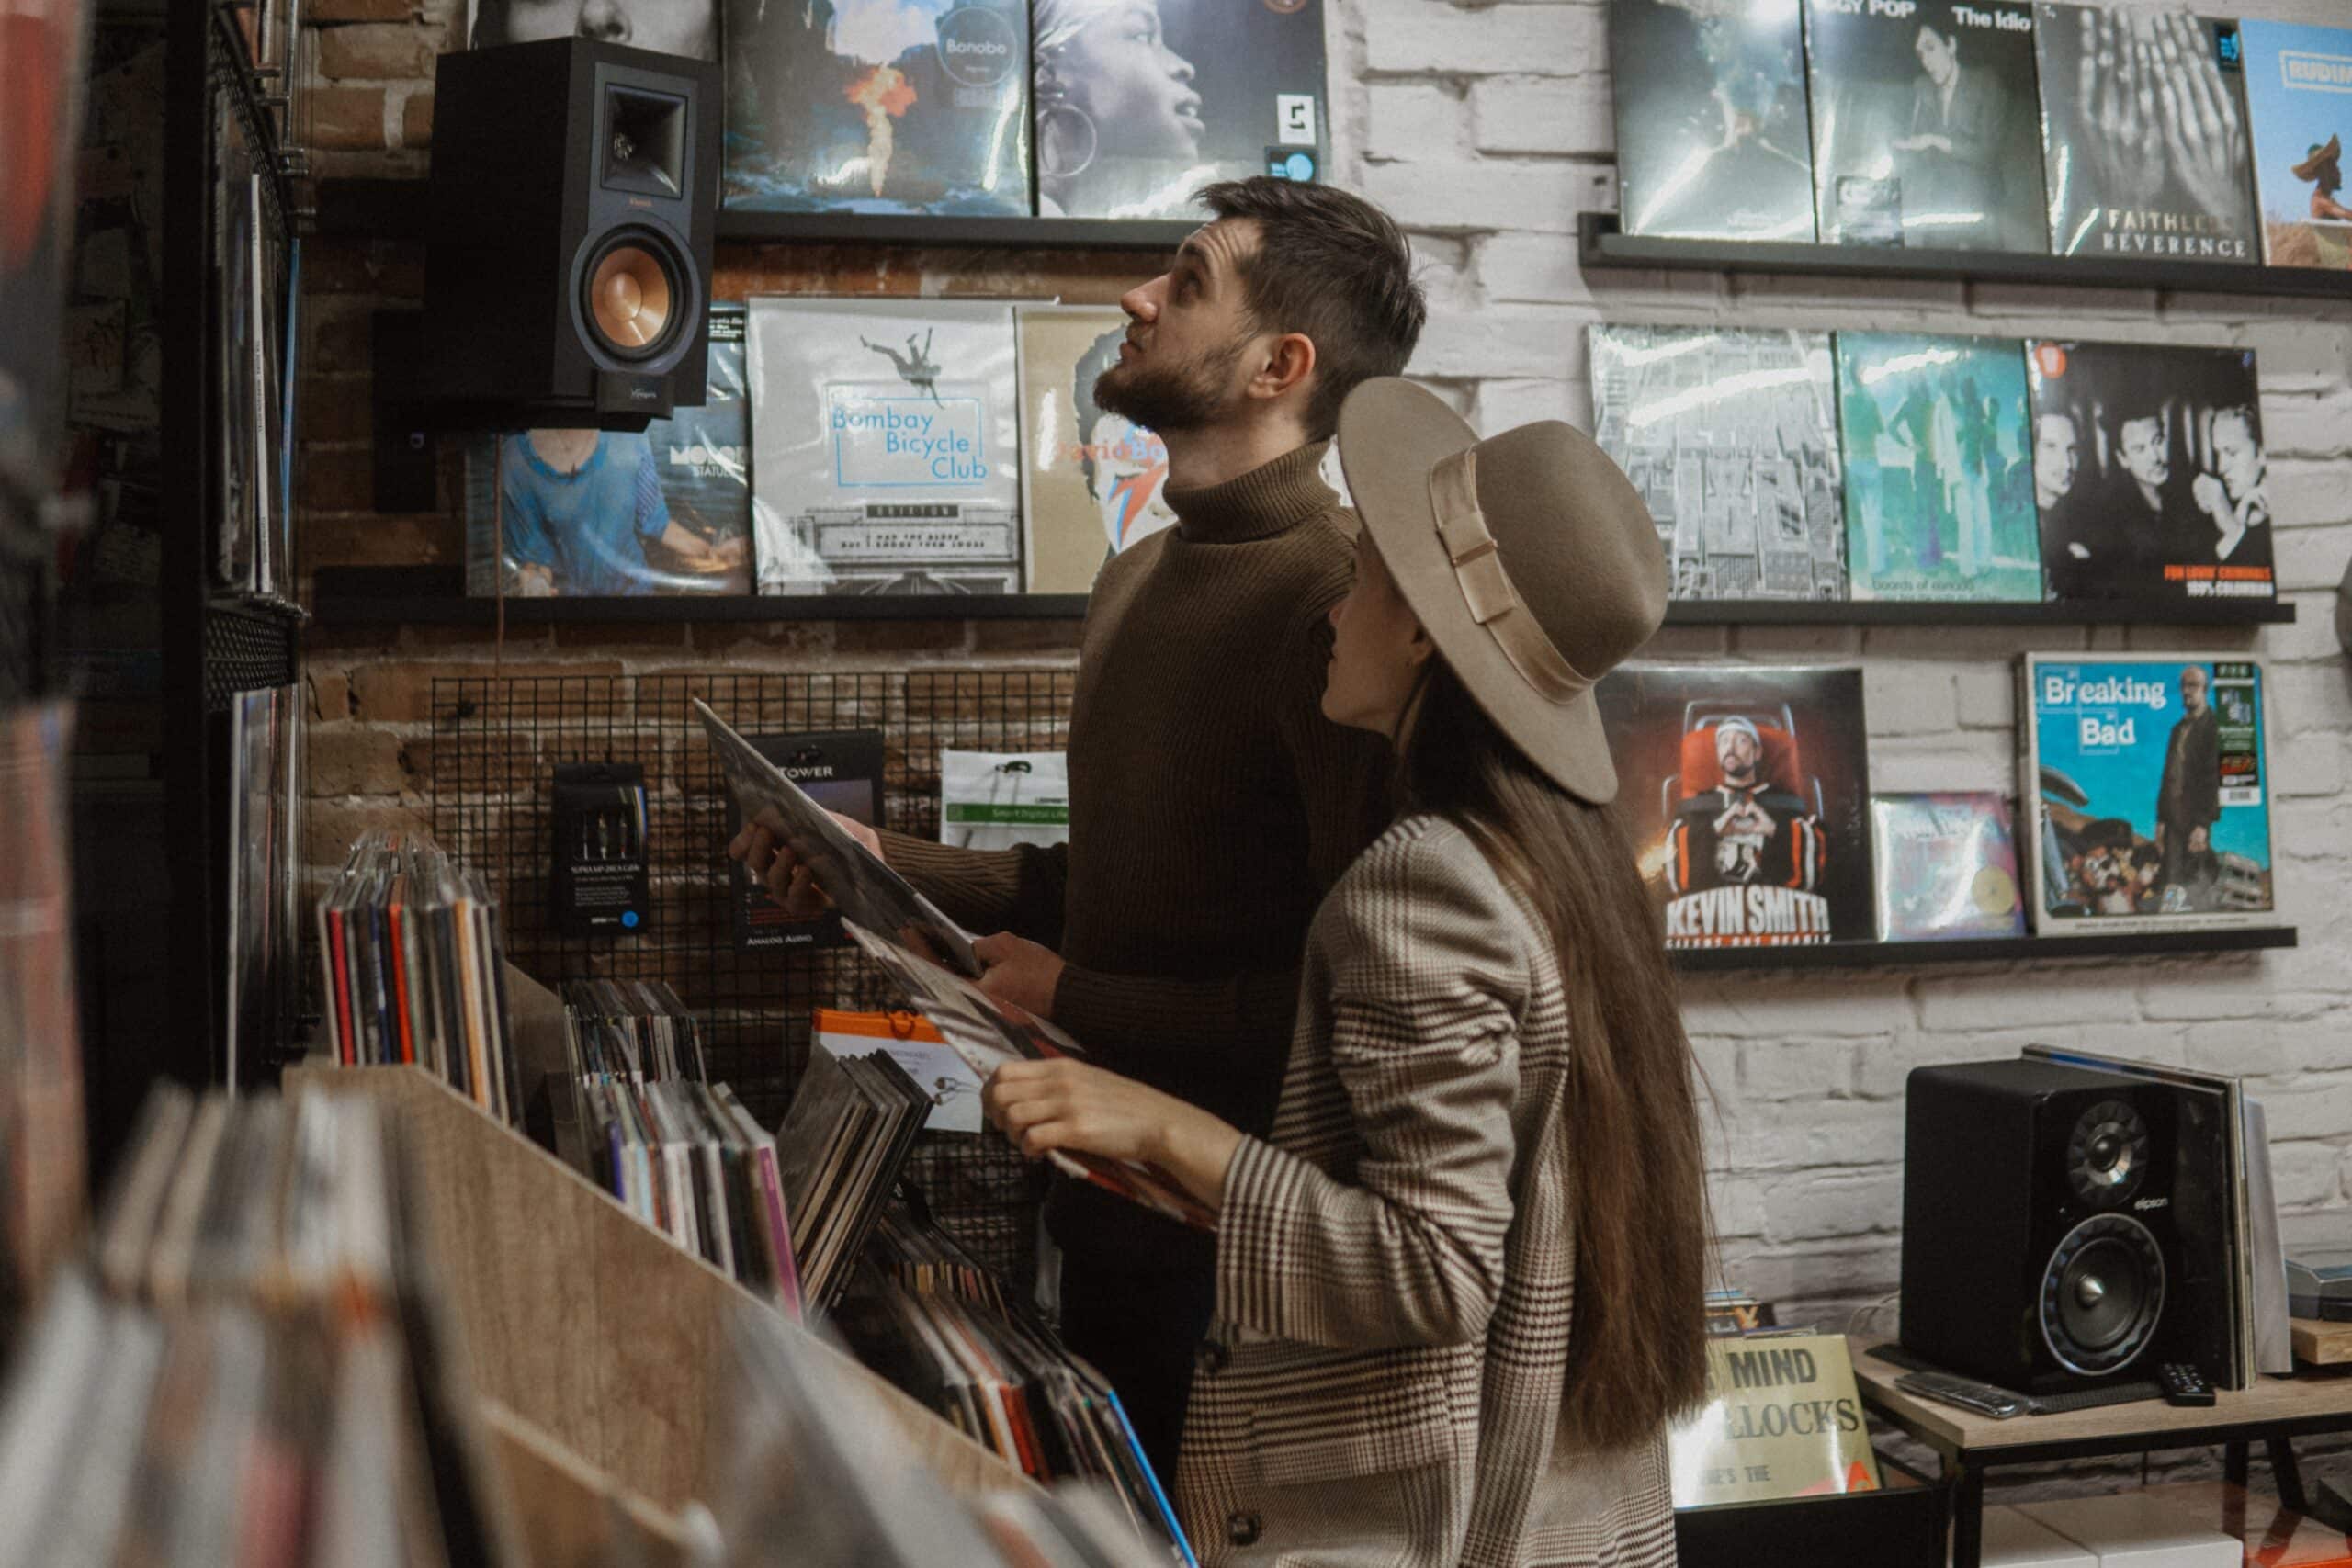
(1187, 395)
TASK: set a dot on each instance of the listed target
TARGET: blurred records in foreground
(1946, 867)
(2296, 80)
(1939, 469)
(413, 968)
(1732, 438)
(252, 1368)
(680, 1154)
(817, 1474)
(879, 106)
(1712, 138)
(2148, 773)
(2143, 138)
(1745, 792)
(263, 992)
(1923, 125)
(41, 1194)
(1140, 103)
(2149, 471)
(853, 1123)
(558, 514)
(929, 1317)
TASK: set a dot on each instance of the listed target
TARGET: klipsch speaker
(2063, 1227)
(567, 274)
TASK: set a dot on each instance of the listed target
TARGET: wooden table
(2274, 1412)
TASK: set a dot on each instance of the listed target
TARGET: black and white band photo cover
(2144, 134)
(1924, 124)
(665, 27)
(1712, 138)
(1139, 103)
(1746, 791)
(885, 441)
(1731, 436)
(2148, 471)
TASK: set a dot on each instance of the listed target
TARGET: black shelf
(432, 596)
(1996, 950)
(1897, 613)
(1601, 245)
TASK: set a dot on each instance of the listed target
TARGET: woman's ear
(1419, 651)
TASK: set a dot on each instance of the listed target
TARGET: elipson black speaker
(2062, 1226)
(568, 278)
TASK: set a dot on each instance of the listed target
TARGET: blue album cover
(2148, 774)
(2299, 101)
(1712, 137)
(879, 106)
(1939, 468)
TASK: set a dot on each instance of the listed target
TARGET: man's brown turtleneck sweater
(1212, 806)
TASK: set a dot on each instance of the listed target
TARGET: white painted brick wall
(1486, 130)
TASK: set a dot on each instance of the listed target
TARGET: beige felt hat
(1528, 556)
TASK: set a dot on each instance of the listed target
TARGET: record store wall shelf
(1602, 246)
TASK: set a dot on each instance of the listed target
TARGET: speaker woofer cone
(2102, 1295)
(633, 297)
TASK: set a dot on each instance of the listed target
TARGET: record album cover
(887, 434)
(2149, 775)
(2143, 134)
(1939, 468)
(663, 27)
(2299, 107)
(615, 513)
(1139, 103)
(1923, 124)
(234, 346)
(1090, 480)
(879, 106)
(1711, 139)
(842, 770)
(1946, 867)
(2149, 472)
(1732, 438)
(1745, 791)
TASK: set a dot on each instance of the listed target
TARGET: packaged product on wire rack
(1090, 480)
(994, 800)
(1711, 139)
(2149, 775)
(1924, 125)
(2143, 134)
(1946, 867)
(581, 513)
(1731, 436)
(1744, 790)
(879, 106)
(1140, 103)
(2297, 83)
(887, 434)
(1939, 468)
(2149, 471)
(841, 772)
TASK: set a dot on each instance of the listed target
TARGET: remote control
(2184, 1384)
(1982, 1397)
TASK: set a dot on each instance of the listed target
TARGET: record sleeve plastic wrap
(1711, 139)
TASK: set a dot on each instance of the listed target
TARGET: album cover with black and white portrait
(2144, 134)
(1924, 124)
(1139, 103)
(887, 441)
(877, 106)
(2149, 471)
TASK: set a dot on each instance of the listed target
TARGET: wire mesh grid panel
(497, 744)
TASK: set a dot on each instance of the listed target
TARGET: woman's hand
(1081, 1109)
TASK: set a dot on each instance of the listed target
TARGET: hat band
(1494, 601)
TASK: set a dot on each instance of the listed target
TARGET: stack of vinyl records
(414, 964)
(932, 1320)
(249, 1367)
(638, 1029)
(817, 1475)
(842, 1145)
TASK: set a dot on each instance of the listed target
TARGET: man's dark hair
(1335, 267)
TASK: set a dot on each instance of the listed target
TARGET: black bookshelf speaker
(2063, 1227)
(567, 280)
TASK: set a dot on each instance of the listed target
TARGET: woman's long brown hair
(1636, 1342)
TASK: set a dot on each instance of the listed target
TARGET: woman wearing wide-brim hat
(1460, 1278)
